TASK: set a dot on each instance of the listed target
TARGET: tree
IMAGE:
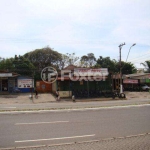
(146, 64)
(106, 63)
(84, 61)
(127, 67)
(6, 64)
(114, 66)
(44, 57)
(68, 59)
(88, 60)
(17, 64)
(91, 59)
(23, 66)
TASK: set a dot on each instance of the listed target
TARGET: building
(25, 84)
(8, 80)
(131, 82)
(85, 81)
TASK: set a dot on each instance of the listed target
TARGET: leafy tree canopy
(88, 60)
(44, 57)
(114, 66)
(146, 64)
(69, 59)
(17, 64)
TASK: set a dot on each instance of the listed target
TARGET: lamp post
(120, 47)
(129, 50)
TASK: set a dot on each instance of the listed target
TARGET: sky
(77, 26)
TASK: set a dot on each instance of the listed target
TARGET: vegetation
(33, 62)
(88, 60)
(146, 64)
(17, 64)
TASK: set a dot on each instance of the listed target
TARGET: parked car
(145, 87)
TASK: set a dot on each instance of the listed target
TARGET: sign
(90, 72)
(25, 83)
(130, 81)
(5, 74)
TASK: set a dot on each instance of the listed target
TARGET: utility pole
(120, 47)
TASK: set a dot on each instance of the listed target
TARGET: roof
(137, 75)
(70, 67)
(5, 73)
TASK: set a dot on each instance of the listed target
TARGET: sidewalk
(24, 98)
(137, 142)
(47, 102)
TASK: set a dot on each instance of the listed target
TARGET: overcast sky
(76, 26)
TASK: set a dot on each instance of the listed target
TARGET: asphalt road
(30, 129)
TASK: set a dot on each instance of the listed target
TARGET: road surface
(30, 129)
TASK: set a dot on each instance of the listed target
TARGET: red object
(43, 87)
(130, 81)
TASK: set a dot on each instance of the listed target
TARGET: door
(4, 85)
(0, 85)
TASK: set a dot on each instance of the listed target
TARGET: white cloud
(77, 26)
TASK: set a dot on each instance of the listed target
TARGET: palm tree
(146, 64)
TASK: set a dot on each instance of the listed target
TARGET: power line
(143, 56)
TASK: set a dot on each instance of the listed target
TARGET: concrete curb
(71, 109)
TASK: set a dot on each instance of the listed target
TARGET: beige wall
(54, 87)
(65, 93)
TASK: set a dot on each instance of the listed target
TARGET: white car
(145, 87)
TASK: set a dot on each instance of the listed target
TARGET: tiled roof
(13, 73)
(70, 67)
(136, 74)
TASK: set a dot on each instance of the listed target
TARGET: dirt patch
(137, 95)
(25, 98)
(47, 97)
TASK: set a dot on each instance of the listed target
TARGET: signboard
(90, 72)
(25, 83)
(130, 81)
(5, 74)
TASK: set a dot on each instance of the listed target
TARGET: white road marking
(8, 107)
(40, 123)
(61, 138)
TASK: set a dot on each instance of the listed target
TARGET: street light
(120, 47)
(129, 50)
